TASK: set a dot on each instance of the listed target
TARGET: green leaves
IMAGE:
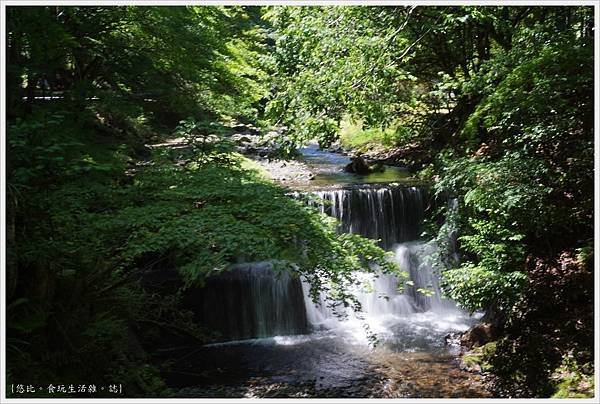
(515, 165)
(169, 62)
(204, 217)
(426, 292)
(330, 61)
(476, 286)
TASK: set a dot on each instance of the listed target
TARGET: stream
(277, 342)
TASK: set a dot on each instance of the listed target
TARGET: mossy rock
(571, 382)
(477, 359)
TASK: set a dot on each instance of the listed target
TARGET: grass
(353, 135)
(571, 381)
(251, 165)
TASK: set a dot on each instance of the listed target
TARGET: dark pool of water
(322, 364)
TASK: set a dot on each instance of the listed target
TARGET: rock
(246, 129)
(243, 139)
(358, 165)
(452, 338)
(478, 358)
(479, 335)
(470, 367)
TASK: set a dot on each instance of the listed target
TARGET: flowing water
(391, 214)
(277, 342)
(329, 170)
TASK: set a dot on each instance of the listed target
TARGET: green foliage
(477, 358)
(126, 55)
(475, 286)
(354, 136)
(518, 193)
(118, 77)
(495, 220)
(328, 61)
(573, 380)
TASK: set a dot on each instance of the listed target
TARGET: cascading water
(251, 300)
(419, 260)
(393, 215)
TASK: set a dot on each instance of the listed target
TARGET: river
(277, 342)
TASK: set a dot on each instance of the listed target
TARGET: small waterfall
(251, 301)
(254, 301)
(383, 298)
(391, 214)
(420, 261)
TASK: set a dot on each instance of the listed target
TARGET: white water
(395, 312)
(252, 302)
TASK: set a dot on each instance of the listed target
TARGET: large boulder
(358, 165)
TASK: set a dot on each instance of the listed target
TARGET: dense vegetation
(493, 105)
(92, 211)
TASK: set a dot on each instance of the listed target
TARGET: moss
(477, 359)
(251, 165)
(573, 381)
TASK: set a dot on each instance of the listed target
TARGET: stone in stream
(360, 166)
(479, 335)
(241, 139)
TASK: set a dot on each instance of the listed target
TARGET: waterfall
(391, 214)
(251, 300)
(419, 259)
